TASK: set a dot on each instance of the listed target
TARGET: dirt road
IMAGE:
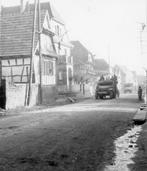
(76, 137)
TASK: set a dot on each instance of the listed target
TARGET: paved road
(76, 137)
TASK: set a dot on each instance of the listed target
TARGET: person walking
(139, 93)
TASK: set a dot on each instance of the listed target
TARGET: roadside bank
(140, 158)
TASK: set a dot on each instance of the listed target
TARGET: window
(70, 59)
(60, 76)
(48, 68)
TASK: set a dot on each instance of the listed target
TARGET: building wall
(16, 75)
(82, 62)
(16, 95)
(64, 65)
(62, 49)
(49, 94)
(49, 78)
(79, 53)
(16, 70)
(61, 76)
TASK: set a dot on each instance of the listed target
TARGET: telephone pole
(0, 38)
(146, 69)
(146, 87)
(36, 9)
(32, 54)
(144, 28)
(40, 55)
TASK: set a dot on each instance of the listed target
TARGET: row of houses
(25, 77)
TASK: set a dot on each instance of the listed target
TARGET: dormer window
(57, 30)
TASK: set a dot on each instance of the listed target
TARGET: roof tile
(16, 33)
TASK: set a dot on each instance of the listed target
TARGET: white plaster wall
(50, 79)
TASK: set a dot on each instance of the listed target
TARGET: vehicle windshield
(105, 83)
(128, 85)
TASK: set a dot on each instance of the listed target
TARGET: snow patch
(125, 149)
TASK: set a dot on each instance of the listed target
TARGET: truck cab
(106, 88)
(128, 87)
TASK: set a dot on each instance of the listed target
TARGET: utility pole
(146, 87)
(0, 38)
(32, 54)
(146, 69)
(40, 55)
(143, 27)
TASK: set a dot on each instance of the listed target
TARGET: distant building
(101, 67)
(83, 62)
(125, 76)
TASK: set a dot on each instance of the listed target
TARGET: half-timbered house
(63, 49)
(16, 56)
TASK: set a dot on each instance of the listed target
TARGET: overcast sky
(105, 27)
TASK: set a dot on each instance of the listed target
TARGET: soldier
(139, 93)
(102, 78)
(114, 79)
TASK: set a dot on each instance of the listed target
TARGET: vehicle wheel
(101, 97)
(111, 95)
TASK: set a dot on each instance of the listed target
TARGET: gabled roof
(79, 44)
(101, 65)
(79, 52)
(30, 7)
(54, 13)
(16, 31)
(16, 34)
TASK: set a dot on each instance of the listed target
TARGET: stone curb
(141, 114)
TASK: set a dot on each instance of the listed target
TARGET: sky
(110, 29)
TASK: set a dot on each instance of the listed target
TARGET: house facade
(63, 49)
(83, 63)
(17, 56)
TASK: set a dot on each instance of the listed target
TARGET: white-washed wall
(50, 79)
(16, 95)
(49, 94)
(16, 70)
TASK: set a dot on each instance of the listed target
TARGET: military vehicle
(128, 87)
(106, 88)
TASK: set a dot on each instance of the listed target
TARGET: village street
(73, 137)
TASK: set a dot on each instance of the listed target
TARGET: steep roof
(16, 31)
(30, 7)
(79, 52)
(16, 34)
(54, 13)
(101, 65)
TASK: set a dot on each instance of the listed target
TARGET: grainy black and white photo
(73, 85)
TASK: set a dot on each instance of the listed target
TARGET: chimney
(22, 6)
